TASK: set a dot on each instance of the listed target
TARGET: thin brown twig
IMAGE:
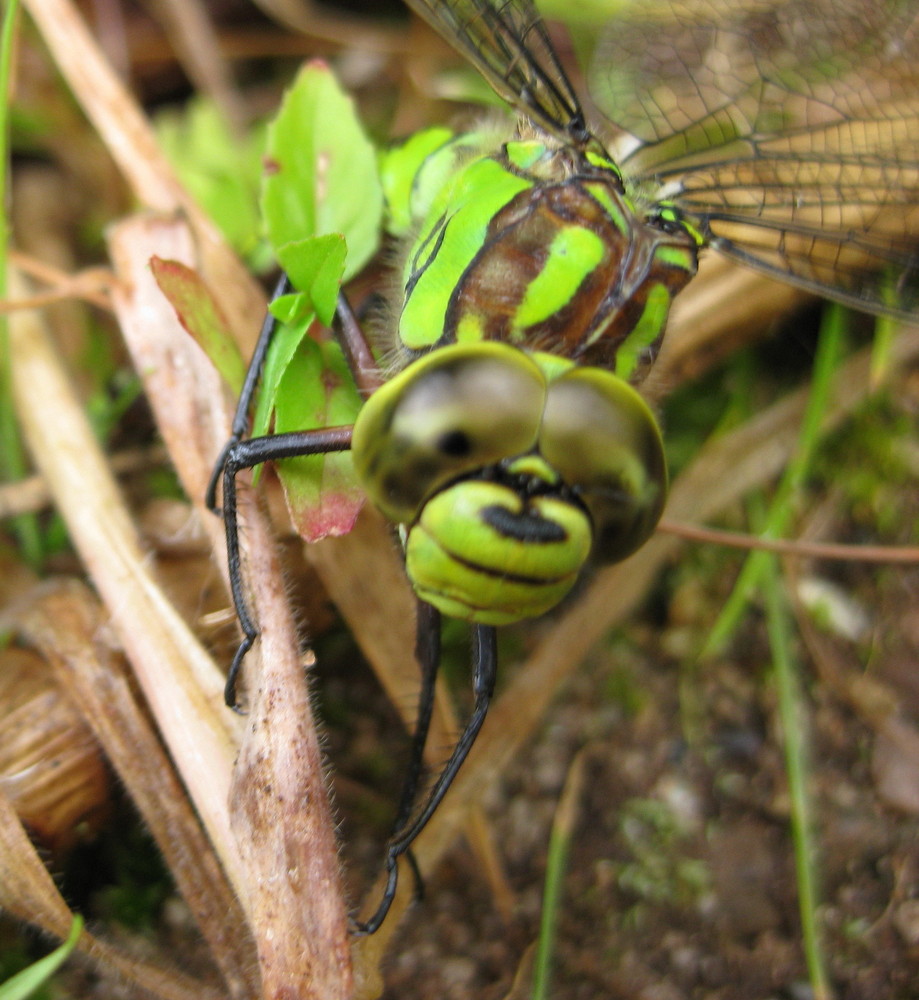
(91, 284)
(31, 495)
(195, 40)
(344, 29)
(813, 550)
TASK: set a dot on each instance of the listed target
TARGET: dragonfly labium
(507, 438)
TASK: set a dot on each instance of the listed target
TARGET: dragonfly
(503, 430)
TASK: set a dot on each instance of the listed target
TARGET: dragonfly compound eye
(603, 440)
(448, 414)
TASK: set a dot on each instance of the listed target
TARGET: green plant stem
(792, 715)
(24, 984)
(826, 362)
(12, 456)
(559, 842)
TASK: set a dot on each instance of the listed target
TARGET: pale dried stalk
(157, 640)
(280, 815)
(30, 495)
(188, 397)
(67, 626)
(281, 811)
(28, 892)
(129, 138)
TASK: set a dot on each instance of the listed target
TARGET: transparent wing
(787, 132)
(507, 41)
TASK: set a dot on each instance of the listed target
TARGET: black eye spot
(456, 444)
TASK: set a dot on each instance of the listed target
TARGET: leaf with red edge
(316, 391)
(200, 314)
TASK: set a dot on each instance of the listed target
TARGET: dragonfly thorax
(537, 244)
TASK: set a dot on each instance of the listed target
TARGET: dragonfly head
(509, 471)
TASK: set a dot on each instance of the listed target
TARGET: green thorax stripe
(416, 171)
(539, 262)
(452, 235)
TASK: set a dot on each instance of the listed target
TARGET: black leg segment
(484, 670)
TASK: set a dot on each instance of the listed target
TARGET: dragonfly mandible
(505, 435)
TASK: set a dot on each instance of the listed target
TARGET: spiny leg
(247, 393)
(356, 347)
(484, 669)
(244, 455)
(427, 653)
(238, 454)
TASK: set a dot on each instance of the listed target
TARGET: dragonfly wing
(846, 229)
(788, 133)
(507, 41)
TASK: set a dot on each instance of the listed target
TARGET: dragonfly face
(509, 468)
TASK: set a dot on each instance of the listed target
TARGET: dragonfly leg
(484, 669)
(356, 347)
(239, 455)
(427, 653)
(244, 403)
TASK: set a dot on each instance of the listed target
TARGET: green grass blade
(792, 714)
(12, 454)
(886, 330)
(829, 353)
(25, 983)
(556, 863)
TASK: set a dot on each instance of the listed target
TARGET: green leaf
(307, 385)
(200, 314)
(25, 983)
(322, 172)
(293, 327)
(323, 207)
(316, 390)
(220, 168)
(316, 266)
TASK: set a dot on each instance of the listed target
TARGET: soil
(681, 879)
